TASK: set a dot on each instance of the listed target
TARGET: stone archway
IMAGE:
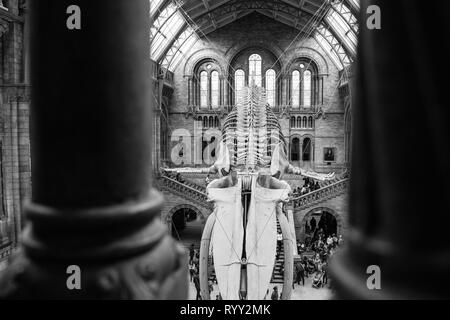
(315, 212)
(180, 207)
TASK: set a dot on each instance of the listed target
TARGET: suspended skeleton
(248, 199)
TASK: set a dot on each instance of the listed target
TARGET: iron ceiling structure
(177, 25)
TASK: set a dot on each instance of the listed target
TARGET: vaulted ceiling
(213, 14)
(178, 24)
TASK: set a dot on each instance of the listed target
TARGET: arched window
(292, 122)
(295, 149)
(206, 91)
(255, 70)
(216, 122)
(270, 87)
(305, 122)
(306, 149)
(304, 74)
(215, 89)
(299, 122)
(307, 84)
(203, 89)
(211, 122)
(295, 98)
(239, 83)
(310, 122)
(205, 122)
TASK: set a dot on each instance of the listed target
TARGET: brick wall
(258, 30)
(14, 126)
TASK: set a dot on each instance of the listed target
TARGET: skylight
(344, 24)
(154, 5)
(179, 49)
(164, 29)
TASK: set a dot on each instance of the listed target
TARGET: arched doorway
(328, 224)
(320, 221)
(306, 150)
(187, 226)
(295, 150)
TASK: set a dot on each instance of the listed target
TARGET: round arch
(311, 212)
(299, 53)
(312, 141)
(237, 49)
(179, 207)
(239, 60)
(202, 55)
(292, 145)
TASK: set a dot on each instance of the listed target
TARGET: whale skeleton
(248, 199)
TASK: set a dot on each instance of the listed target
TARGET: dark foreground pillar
(400, 194)
(93, 205)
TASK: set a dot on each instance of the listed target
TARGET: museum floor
(301, 292)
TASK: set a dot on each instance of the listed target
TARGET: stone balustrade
(187, 190)
(198, 194)
(328, 192)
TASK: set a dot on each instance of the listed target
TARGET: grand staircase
(186, 189)
(193, 192)
(328, 190)
(278, 269)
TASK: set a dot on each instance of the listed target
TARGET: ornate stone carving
(195, 193)
(147, 264)
(4, 26)
(191, 112)
(320, 113)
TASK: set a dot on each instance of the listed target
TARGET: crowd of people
(173, 175)
(313, 264)
(309, 186)
(314, 259)
(194, 270)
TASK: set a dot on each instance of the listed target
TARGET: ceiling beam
(211, 8)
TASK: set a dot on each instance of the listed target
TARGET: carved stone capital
(134, 259)
(4, 26)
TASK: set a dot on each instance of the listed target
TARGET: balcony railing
(315, 197)
(158, 72)
(276, 109)
(186, 190)
(297, 110)
(210, 110)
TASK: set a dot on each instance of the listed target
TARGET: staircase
(328, 190)
(195, 193)
(278, 272)
(186, 189)
(6, 249)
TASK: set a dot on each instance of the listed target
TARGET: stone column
(319, 89)
(290, 216)
(226, 92)
(399, 216)
(190, 91)
(283, 91)
(93, 205)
